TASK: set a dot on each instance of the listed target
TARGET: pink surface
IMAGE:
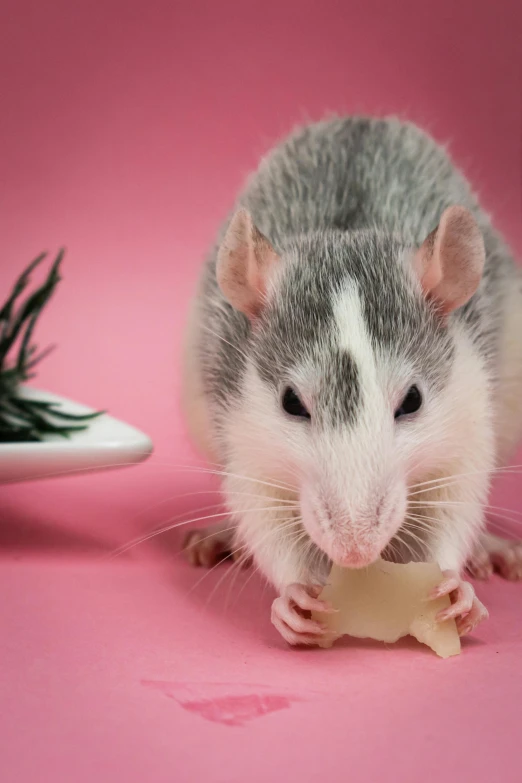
(125, 131)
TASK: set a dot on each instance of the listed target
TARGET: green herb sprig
(23, 419)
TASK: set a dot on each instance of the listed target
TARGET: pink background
(126, 129)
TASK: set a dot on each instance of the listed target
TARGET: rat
(353, 366)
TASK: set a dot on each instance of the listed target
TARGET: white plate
(106, 443)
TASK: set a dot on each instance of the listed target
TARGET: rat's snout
(353, 534)
(352, 540)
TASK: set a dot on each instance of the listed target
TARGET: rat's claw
(465, 607)
(291, 614)
(450, 583)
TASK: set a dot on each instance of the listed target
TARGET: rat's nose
(349, 554)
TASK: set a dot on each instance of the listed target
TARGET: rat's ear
(244, 261)
(451, 260)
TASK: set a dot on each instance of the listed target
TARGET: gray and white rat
(353, 363)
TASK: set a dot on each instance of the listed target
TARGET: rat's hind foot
(505, 556)
(465, 607)
(479, 565)
(208, 546)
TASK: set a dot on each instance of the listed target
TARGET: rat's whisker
(419, 516)
(414, 527)
(165, 529)
(290, 522)
(177, 497)
(517, 515)
(419, 527)
(448, 481)
(168, 466)
(403, 543)
(215, 534)
(495, 523)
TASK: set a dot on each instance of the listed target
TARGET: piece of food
(387, 601)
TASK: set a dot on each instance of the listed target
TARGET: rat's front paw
(291, 614)
(465, 607)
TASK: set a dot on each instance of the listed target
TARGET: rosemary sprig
(23, 419)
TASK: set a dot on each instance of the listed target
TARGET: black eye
(293, 405)
(410, 404)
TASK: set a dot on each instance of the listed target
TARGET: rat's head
(352, 366)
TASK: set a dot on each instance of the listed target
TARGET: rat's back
(355, 173)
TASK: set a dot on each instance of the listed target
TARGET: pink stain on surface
(229, 704)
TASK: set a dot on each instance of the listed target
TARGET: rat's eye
(293, 405)
(410, 404)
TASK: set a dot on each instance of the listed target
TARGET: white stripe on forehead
(352, 333)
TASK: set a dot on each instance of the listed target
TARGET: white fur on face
(350, 481)
(352, 334)
(354, 495)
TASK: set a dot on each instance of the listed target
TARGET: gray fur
(340, 199)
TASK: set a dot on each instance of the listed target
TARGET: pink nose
(354, 558)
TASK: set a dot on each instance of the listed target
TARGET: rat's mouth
(356, 558)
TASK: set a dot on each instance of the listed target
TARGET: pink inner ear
(245, 259)
(427, 264)
(261, 259)
(451, 260)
